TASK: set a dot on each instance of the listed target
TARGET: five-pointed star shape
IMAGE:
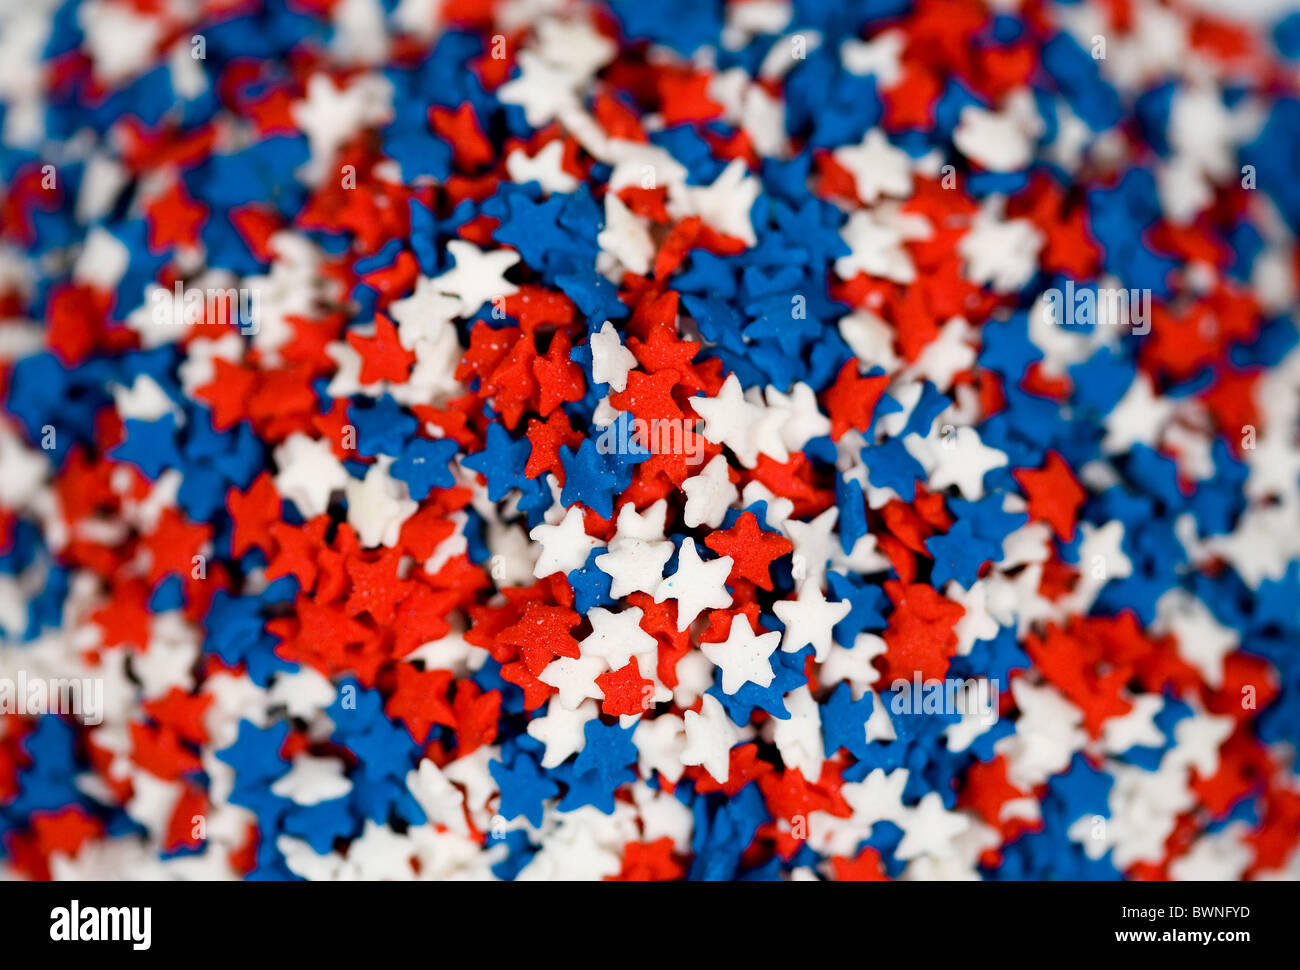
(565, 547)
(810, 619)
(697, 585)
(478, 276)
(744, 657)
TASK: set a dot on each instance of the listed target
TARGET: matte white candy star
(478, 276)
(871, 339)
(876, 239)
(1202, 640)
(303, 692)
(1197, 740)
(878, 797)
(610, 360)
(724, 205)
(813, 546)
(744, 657)
(1137, 728)
(1222, 856)
(25, 470)
(1138, 418)
(929, 828)
(766, 430)
(421, 18)
(810, 619)
(800, 418)
(854, 665)
(144, 400)
(881, 56)
(1018, 601)
(947, 355)
(544, 168)
(625, 237)
(662, 815)
(309, 472)
(329, 116)
(433, 378)
(964, 461)
(1183, 190)
(616, 637)
(660, 742)
(574, 678)
(1000, 141)
(301, 859)
(976, 622)
(1047, 734)
(541, 88)
(426, 314)
(1101, 552)
(731, 420)
(1002, 254)
(120, 40)
(878, 168)
(708, 495)
(799, 737)
(709, 737)
(381, 854)
(1144, 807)
(779, 508)
(1265, 542)
(312, 780)
(442, 801)
(378, 505)
(169, 660)
(561, 729)
(976, 718)
(565, 547)
(694, 677)
(574, 44)
(634, 565)
(1274, 466)
(647, 525)
(574, 853)
(696, 585)
(471, 772)
(513, 557)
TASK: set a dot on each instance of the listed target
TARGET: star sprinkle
(610, 360)
(696, 586)
(710, 736)
(565, 547)
(744, 657)
(616, 637)
(634, 565)
(750, 548)
(709, 495)
(964, 463)
(810, 619)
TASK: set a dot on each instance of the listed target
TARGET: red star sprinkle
(752, 549)
(383, 358)
(852, 399)
(1053, 493)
